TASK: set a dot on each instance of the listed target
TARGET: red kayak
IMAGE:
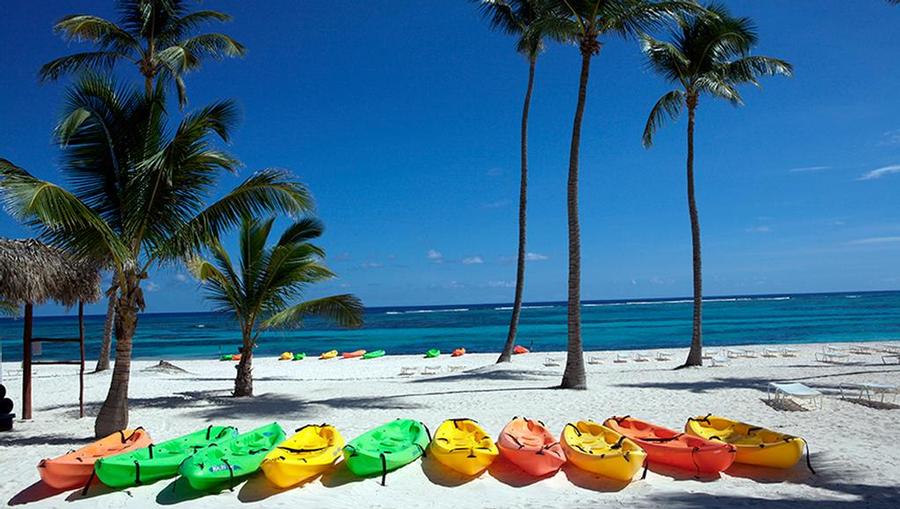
(668, 447)
(531, 446)
(519, 350)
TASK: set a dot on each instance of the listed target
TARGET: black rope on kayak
(384, 470)
(669, 439)
(427, 431)
(139, 428)
(303, 427)
(230, 474)
(701, 419)
(87, 485)
(137, 473)
(754, 429)
(352, 450)
(224, 431)
(516, 440)
(577, 431)
(208, 431)
(618, 444)
(422, 449)
(620, 419)
(122, 433)
(471, 454)
(300, 451)
(808, 462)
(463, 419)
(646, 466)
(694, 461)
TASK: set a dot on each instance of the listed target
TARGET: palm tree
(586, 21)
(519, 18)
(154, 35)
(138, 197)
(708, 54)
(260, 290)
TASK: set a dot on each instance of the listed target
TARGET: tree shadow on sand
(857, 495)
(15, 439)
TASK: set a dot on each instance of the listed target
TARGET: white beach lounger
(621, 357)
(837, 348)
(778, 391)
(455, 369)
(734, 353)
(431, 370)
(890, 348)
(832, 357)
(789, 352)
(862, 349)
(640, 357)
(595, 359)
(895, 356)
(709, 354)
(749, 353)
(770, 352)
(407, 371)
(871, 391)
(552, 362)
(663, 356)
(721, 360)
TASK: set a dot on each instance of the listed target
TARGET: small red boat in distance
(529, 445)
(669, 447)
(519, 350)
(459, 352)
(354, 354)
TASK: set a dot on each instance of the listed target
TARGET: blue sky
(402, 116)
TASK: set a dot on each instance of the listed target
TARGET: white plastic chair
(663, 356)
(621, 358)
(641, 357)
(407, 371)
(779, 391)
(595, 359)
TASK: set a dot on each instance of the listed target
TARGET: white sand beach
(854, 445)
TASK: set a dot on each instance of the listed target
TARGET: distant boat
(199, 325)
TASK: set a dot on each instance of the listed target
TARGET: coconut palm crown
(157, 36)
(139, 197)
(708, 54)
(262, 290)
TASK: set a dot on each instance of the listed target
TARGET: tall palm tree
(260, 291)
(586, 21)
(157, 36)
(519, 18)
(138, 197)
(708, 54)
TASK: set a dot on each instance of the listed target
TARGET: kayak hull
(529, 445)
(668, 447)
(331, 354)
(73, 470)
(354, 354)
(599, 450)
(464, 446)
(228, 462)
(309, 452)
(386, 448)
(374, 355)
(754, 445)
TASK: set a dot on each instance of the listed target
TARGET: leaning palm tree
(261, 290)
(154, 35)
(138, 197)
(708, 54)
(586, 21)
(520, 18)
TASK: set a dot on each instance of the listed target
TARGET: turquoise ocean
(607, 325)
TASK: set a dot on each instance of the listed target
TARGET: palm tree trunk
(113, 415)
(506, 355)
(103, 360)
(695, 355)
(243, 381)
(573, 376)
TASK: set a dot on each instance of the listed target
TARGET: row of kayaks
(359, 354)
(218, 456)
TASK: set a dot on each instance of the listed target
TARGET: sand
(854, 445)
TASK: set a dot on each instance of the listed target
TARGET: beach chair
(455, 369)
(861, 349)
(709, 354)
(640, 357)
(832, 356)
(749, 353)
(871, 391)
(552, 362)
(779, 391)
(621, 358)
(789, 352)
(663, 356)
(890, 349)
(720, 361)
(431, 370)
(407, 371)
(770, 352)
(734, 353)
(895, 356)
(595, 359)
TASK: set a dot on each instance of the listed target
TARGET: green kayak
(225, 357)
(374, 355)
(299, 356)
(387, 447)
(434, 352)
(159, 461)
(230, 460)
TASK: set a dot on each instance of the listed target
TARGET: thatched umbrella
(33, 273)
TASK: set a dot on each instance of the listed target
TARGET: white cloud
(890, 138)
(435, 256)
(536, 257)
(808, 169)
(874, 240)
(495, 204)
(454, 285)
(880, 172)
(472, 260)
(501, 284)
(181, 278)
(151, 286)
(759, 229)
(371, 265)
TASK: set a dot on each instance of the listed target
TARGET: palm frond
(345, 310)
(304, 230)
(108, 35)
(668, 106)
(9, 308)
(631, 18)
(85, 61)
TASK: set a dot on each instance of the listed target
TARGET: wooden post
(26, 363)
(81, 370)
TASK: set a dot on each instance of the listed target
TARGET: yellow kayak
(286, 356)
(309, 452)
(464, 446)
(597, 449)
(755, 445)
(331, 354)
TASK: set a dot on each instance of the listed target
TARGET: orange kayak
(236, 357)
(669, 447)
(72, 470)
(519, 349)
(529, 445)
(354, 354)
(459, 352)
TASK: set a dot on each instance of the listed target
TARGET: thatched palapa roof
(31, 271)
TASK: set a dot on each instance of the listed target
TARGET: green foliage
(261, 288)
(708, 54)
(154, 35)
